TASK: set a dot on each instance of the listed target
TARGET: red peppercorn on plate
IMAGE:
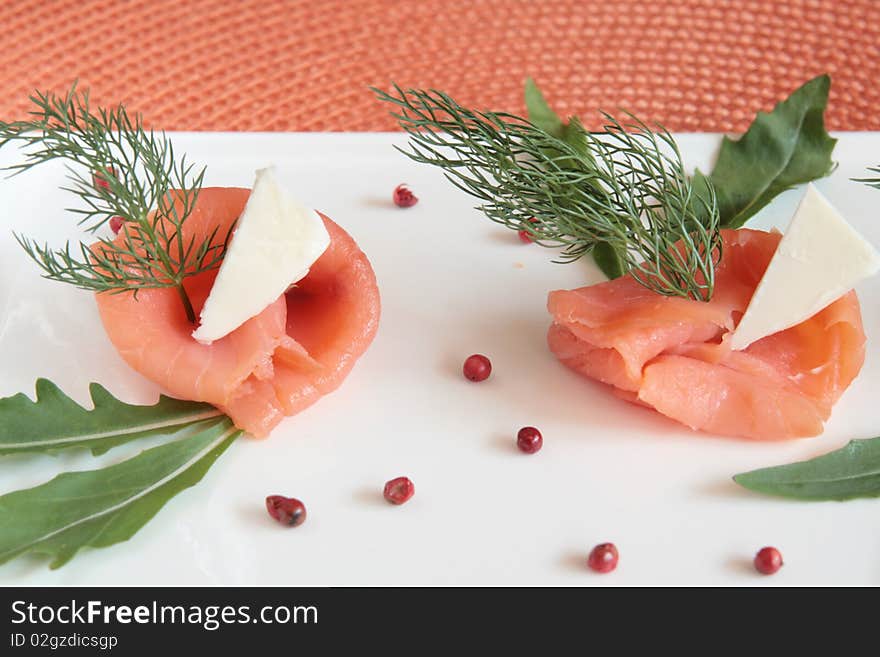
(452, 285)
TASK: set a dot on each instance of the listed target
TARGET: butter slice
(819, 259)
(275, 243)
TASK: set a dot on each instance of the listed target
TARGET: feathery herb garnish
(142, 181)
(627, 188)
(542, 115)
(572, 132)
(871, 182)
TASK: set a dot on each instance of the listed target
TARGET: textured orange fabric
(700, 65)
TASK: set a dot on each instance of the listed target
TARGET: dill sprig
(871, 182)
(117, 168)
(627, 187)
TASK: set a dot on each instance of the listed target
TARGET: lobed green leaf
(54, 421)
(542, 115)
(99, 508)
(850, 472)
(784, 148)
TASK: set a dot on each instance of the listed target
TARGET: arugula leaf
(609, 261)
(784, 148)
(543, 116)
(99, 508)
(57, 422)
(781, 149)
(847, 473)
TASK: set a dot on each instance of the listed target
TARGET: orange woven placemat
(701, 65)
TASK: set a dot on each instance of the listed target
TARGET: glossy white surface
(452, 284)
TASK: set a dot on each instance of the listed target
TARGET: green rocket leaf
(543, 116)
(607, 258)
(844, 474)
(54, 421)
(784, 148)
(99, 508)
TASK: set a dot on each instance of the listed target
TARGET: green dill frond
(626, 188)
(140, 179)
(871, 182)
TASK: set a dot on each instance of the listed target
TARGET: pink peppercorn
(286, 510)
(603, 558)
(529, 440)
(477, 368)
(403, 197)
(768, 560)
(399, 490)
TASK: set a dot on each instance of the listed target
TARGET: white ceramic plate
(452, 284)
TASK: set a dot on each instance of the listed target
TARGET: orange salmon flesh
(277, 363)
(669, 353)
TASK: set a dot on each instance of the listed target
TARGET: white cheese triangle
(276, 241)
(819, 259)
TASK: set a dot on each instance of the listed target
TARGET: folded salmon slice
(298, 349)
(670, 353)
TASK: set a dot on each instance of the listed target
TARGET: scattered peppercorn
(529, 440)
(768, 560)
(286, 510)
(403, 197)
(603, 558)
(399, 490)
(477, 368)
